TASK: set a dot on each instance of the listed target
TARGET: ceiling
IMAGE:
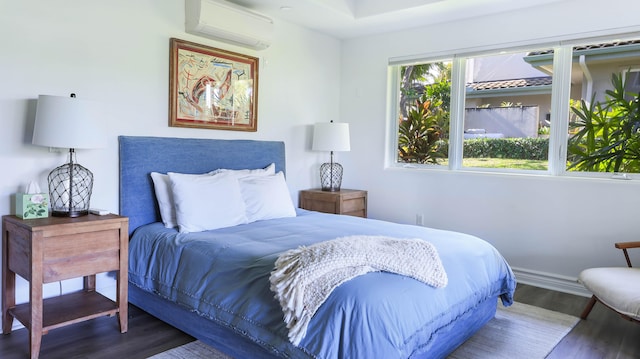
(354, 18)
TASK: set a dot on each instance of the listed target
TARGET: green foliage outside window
(606, 134)
(535, 148)
(420, 134)
(424, 119)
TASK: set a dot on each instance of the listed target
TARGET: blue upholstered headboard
(139, 156)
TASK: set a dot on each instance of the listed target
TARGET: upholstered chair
(616, 287)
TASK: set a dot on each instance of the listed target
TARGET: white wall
(581, 218)
(117, 52)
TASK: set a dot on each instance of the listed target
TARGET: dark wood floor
(602, 335)
(99, 339)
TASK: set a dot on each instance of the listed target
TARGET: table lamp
(68, 122)
(331, 136)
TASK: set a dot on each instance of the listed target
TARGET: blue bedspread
(224, 275)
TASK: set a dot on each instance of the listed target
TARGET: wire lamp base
(331, 176)
(70, 187)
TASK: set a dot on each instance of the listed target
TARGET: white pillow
(266, 197)
(267, 171)
(207, 202)
(164, 196)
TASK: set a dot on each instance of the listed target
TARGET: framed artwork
(212, 88)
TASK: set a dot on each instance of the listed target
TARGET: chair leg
(588, 308)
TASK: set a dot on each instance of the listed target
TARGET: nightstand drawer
(320, 206)
(68, 256)
(354, 206)
(75, 255)
(79, 245)
(347, 201)
(82, 265)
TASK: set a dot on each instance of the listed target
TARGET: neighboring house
(525, 79)
(507, 95)
(593, 66)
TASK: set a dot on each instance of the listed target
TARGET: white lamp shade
(331, 136)
(68, 122)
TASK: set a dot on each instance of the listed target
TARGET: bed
(215, 284)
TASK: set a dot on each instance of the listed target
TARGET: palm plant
(420, 134)
(424, 112)
(606, 134)
(416, 79)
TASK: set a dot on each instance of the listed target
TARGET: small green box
(32, 205)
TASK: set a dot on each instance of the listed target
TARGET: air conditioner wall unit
(228, 22)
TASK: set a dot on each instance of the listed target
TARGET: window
(605, 122)
(509, 110)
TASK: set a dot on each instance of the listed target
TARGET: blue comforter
(224, 275)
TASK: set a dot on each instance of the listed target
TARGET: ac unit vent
(228, 22)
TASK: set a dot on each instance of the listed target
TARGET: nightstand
(52, 249)
(346, 201)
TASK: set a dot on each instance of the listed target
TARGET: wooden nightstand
(346, 201)
(46, 250)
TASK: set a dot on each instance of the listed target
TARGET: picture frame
(212, 88)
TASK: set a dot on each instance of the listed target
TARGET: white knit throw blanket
(304, 277)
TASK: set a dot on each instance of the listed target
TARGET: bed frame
(139, 156)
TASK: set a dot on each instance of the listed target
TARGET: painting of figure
(212, 88)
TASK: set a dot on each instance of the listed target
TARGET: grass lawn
(504, 163)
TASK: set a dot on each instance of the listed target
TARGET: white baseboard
(550, 281)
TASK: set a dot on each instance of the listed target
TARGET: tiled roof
(514, 83)
(590, 47)
(545, 80)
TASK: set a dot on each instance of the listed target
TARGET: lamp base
(70, 187)
(55, 213)
(331, 176)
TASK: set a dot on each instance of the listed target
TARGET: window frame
(560, 109)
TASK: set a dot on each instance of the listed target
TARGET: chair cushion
(617, 287)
